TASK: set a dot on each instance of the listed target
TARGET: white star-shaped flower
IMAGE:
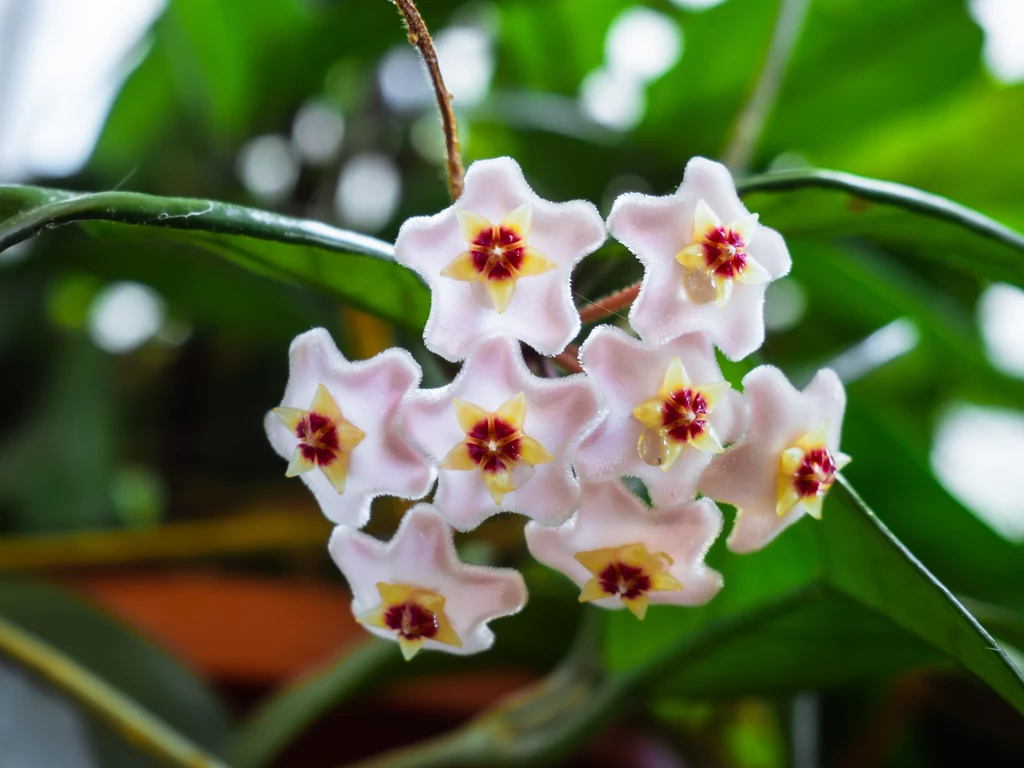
(706, 261)
(416, 591)
(788, 461)
(666, 411)
(339, 426)
(499, 262)
(622, 554)
(503, 437)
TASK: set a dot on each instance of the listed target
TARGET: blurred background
(146, 527)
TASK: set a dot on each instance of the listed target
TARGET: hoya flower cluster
(650, 404)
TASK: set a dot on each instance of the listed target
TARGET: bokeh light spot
(318, 131)
(125, 315)
(613, 100)
(268, 168)
(1001, 317)
(1003, 24)
(642, 43)
(369, 190)
(976, 456)
(785, 302)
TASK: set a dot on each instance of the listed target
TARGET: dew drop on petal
(651, 448)
(699, 287)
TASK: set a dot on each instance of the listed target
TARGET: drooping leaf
(116, 654)
(820, 203)
(352, 267)
(892, 411)
(826, 604)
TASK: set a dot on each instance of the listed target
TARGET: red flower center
(724, 253)
(493, 444)
(411, 621)
(684, 415)
(817, 472)
(318, 438)
(498, 252)
(625, 580)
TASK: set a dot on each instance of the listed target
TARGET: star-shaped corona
(806, 472)
(340, 427)
(415, 591)
(499, 262)
(706, 261)
(504, 438)
(495, 445)
(788, 461)
(498, 254)
(629, 573)
(677, 417)
(414, 615)
(666, 410)
(326, 438)
(719, 257)
(622, 554)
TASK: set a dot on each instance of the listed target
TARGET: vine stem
(755, 113)
(569, 359)
(136, 724)
(420, 37)
(609, 305)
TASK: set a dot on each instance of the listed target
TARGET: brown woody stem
(609, 305)
(569, 359)
(420, 37)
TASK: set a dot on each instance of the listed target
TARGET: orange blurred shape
(236, 629)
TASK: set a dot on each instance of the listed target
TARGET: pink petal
(542, 312)
(739, 328)
(655, 229)
(769, 250)
(369, 393)
(627, 372)
(557, 410)
(746, 475)
(422, 554)
(650, 226)
(610, 516)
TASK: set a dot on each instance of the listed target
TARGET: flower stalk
(609, 305)
(420, 37)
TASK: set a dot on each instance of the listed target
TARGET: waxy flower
(706, 261)
(666, 411)
(415, 590)
(620, 553)
(338, 425)
(499, 262)
(503, 437)
(788, 461)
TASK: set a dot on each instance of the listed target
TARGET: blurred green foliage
(890, 89)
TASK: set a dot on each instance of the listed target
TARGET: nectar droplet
(699, 286)
(651, 448)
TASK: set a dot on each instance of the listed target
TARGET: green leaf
(890, 413)
(354, 268)
(828, 603)
(120, 658)
(966, 147)
(902, 219)
(852, 71)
